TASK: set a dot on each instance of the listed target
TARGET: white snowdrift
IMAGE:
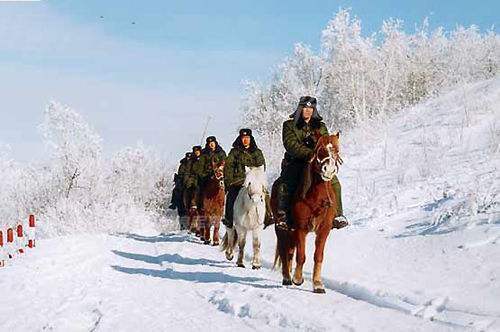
(421, 254)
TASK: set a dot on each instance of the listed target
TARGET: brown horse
(313, 210)
(213, 204)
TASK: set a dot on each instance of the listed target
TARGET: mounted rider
(244, 153)
(299, 140)
(212, 152)
(193, 179)
(177, 201)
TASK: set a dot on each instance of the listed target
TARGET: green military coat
(238, 158)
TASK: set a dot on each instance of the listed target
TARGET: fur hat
(245, 132)
(306, 101)
(197, 148)
(211, 139)
(239, 145)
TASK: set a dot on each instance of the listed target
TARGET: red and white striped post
(10, 243)
(31, 232)
(3, 255)
(20, 239)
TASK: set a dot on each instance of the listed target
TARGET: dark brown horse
(213, 204)
(313, 210)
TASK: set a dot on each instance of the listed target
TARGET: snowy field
(422, 253)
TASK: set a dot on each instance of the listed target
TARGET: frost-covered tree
(74, 146)
(359, 78)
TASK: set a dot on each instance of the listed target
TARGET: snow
(421, 191)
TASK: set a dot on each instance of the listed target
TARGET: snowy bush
(77, 189)
(357, 78)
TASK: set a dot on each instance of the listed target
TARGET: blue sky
(157, 79)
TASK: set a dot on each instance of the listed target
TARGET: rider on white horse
(244, 153)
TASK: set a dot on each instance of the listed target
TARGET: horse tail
(224, 243)
(225, 240)
(235, 238)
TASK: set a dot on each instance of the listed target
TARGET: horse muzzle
(328, 171)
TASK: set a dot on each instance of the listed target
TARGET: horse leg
(321, 236)
(291, 249)
(256, 263)
(206, 230)
(199, 225)
(298, 279)
(216, 231)
(230, 243)
(283, 249)
(242, 239)
(191, 221)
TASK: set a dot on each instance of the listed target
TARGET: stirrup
(282, 226)
(271, 220)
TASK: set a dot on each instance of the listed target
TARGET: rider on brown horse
(299, 139)
(212, 152)
(244, 153)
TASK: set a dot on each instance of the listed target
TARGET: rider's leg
(269, 219)
(231, 195)
(338, 195)
(283, 201)
(340, 221)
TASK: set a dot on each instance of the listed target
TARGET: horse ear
(262, 168)
(247, 169)
(337, 134)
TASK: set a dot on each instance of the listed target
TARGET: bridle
(329, 165)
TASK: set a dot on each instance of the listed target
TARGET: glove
(310, 142)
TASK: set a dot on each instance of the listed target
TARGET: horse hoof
(206, 242)
(229, 257)
(286, 282)
(241, 265)
(216, 243)
(255, 267)
(297, 283)
(319, 291)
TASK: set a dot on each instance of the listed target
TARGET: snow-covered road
(133, 282)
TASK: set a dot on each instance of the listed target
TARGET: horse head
(255, 183)
(326, 159)
(218, 169)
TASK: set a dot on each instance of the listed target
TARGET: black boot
(339, 222)
(283, 218)
(282, 221)
(269, 218)
(227, 223)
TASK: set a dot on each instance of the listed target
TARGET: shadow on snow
(198, 277)
(169, 258)
(165, 238)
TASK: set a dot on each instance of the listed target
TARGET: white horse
(249, 213)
